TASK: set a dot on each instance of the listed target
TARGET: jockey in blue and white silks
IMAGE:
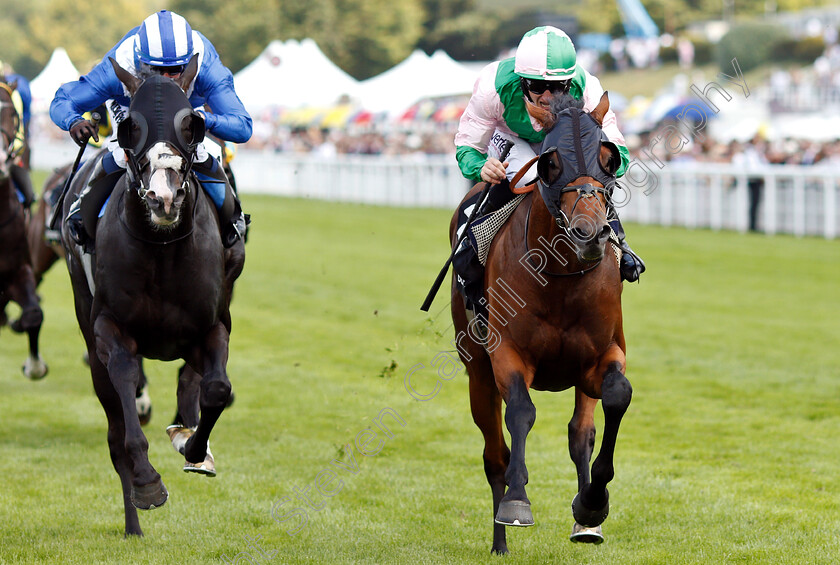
(164, 43)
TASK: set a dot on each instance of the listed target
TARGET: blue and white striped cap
(163, 40)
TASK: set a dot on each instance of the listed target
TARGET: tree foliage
(364, 37)
(32, 30)
(752, 44)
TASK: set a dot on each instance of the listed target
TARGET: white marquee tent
(292, 74)
(416, 78)
(59, 69)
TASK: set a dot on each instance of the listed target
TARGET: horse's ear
(130, 82)
(189, 73)
(601, 109)
(549, 166)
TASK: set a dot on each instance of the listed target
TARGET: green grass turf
(728, 453)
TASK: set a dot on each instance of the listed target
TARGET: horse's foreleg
(22, 291)
(189, 391)
(591, 505)
(486, 406)
(582, 436)
(581, 445)
(142, 399)
(116, 442)
(510, 372)
(118, 354)
(214, 394)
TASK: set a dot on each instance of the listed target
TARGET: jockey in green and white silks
(545, 64)
(497, 112)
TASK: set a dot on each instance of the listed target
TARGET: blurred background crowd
(331, 87)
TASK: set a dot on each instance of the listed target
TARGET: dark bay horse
(157, 286)
(45, 249)
(553, 297)
(17, 281)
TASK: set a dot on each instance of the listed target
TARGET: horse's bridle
(584, 191)
(137, 166)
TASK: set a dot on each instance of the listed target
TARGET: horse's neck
(543, 234)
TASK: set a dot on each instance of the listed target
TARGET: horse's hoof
(206, 467)
(143, 403)
(179, 435)
(582, 534)
(587, 517)
(35, 369)
(149, 496)
(514, 513)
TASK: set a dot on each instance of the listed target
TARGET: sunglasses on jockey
(171, 70)
(538, 86)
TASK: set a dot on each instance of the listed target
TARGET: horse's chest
(562, 356)
(164, 301)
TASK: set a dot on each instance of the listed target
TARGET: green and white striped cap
(545, 53)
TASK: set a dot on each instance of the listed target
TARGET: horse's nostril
(580, 234)
(605, 231)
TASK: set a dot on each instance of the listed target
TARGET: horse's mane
(547, 117)
(564, 101)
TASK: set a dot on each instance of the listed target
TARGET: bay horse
(159, 286)
(17, 281)
(554, 321)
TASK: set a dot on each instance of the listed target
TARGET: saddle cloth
(471, 256)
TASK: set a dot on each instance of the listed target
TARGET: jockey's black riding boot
(631, 264)
(497, 196)
(99, 188)
(232, 222)
(20, 176)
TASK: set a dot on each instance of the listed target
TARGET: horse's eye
(609, 160)
(549, 166)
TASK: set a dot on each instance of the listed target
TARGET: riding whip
(94, 119)
(479, 203)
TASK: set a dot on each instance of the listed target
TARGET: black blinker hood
(156, 113)
(577, 139)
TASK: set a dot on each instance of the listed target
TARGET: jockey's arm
(591, 96)
(229, 119)
(476, 127)
(72, 99)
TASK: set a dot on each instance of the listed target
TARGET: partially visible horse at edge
(160, 286)
(554, 322)
(17, 281)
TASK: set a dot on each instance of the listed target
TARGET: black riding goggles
(538, 86)
(171, 70)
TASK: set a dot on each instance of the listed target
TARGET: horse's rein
(518, 177)
(531, 261)
(584, 191)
